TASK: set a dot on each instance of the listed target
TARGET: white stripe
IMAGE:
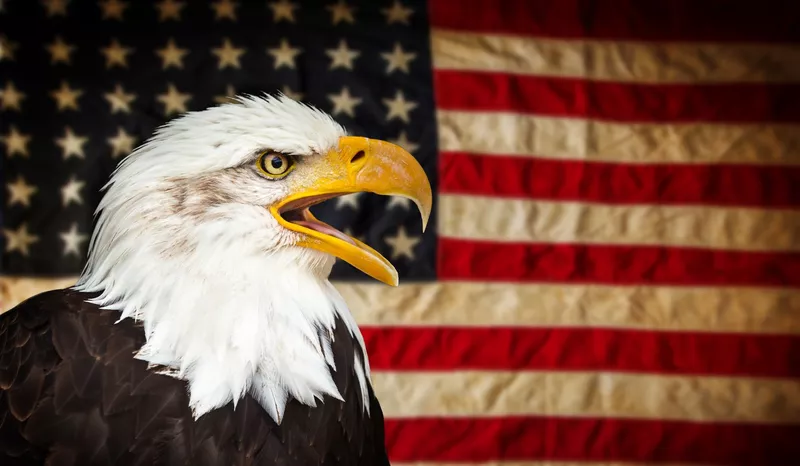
(635, 62)
(590, 394)
(496, 133)
(707, 309)
(526, 220)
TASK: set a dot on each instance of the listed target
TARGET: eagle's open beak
(356, 165)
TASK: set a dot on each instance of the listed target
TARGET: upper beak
(357, 165)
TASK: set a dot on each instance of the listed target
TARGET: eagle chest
(71, 393)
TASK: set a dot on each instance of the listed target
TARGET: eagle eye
(274, 165)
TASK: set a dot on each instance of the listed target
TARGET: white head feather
(184, 244)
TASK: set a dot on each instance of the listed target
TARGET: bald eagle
(203, 329)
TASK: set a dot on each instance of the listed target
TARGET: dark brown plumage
(72, 394)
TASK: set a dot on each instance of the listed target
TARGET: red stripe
(568, 97)
(617, 183)
(582, 349)
(670, 20)
(613, 264)
(529, 438)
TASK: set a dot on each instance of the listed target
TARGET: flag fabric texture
(611, 273)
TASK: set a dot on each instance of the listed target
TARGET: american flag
(611, 274)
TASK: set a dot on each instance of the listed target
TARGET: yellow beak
(356, 165)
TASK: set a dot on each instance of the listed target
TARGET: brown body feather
(71, 393)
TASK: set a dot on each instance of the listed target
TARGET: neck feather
(228, 321)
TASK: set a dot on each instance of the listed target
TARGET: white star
(113, 9)
(402, 244)
(119, 100)
(60, 51)
(116, 54)
(66, 98)
(348, 200)
(397, 13)
(292, 94)
(342, 56)
(230, 93)
(20, 192)
(284, 9)
(171, 55)
(71, 192)
(16, 142)
(402, 141)
(11, 98)
(7, 48)
(174, 101)
(19, 239)
(344, 102)
(399, 107)
(72, 144)
(224, 9)
(72, 240)
(122, 143)
(55, 7)
(397, 59)
(284, 55)
(228, 55)
(169, 9)
(341, 12)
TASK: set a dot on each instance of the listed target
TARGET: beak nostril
(358, 156)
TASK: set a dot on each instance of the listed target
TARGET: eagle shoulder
(72, 393)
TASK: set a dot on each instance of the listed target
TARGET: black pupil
(276, 162)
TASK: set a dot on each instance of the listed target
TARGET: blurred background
(611, 273)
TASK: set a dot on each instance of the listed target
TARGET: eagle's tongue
(328, 230)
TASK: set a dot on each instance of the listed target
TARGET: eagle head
(204, 234)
